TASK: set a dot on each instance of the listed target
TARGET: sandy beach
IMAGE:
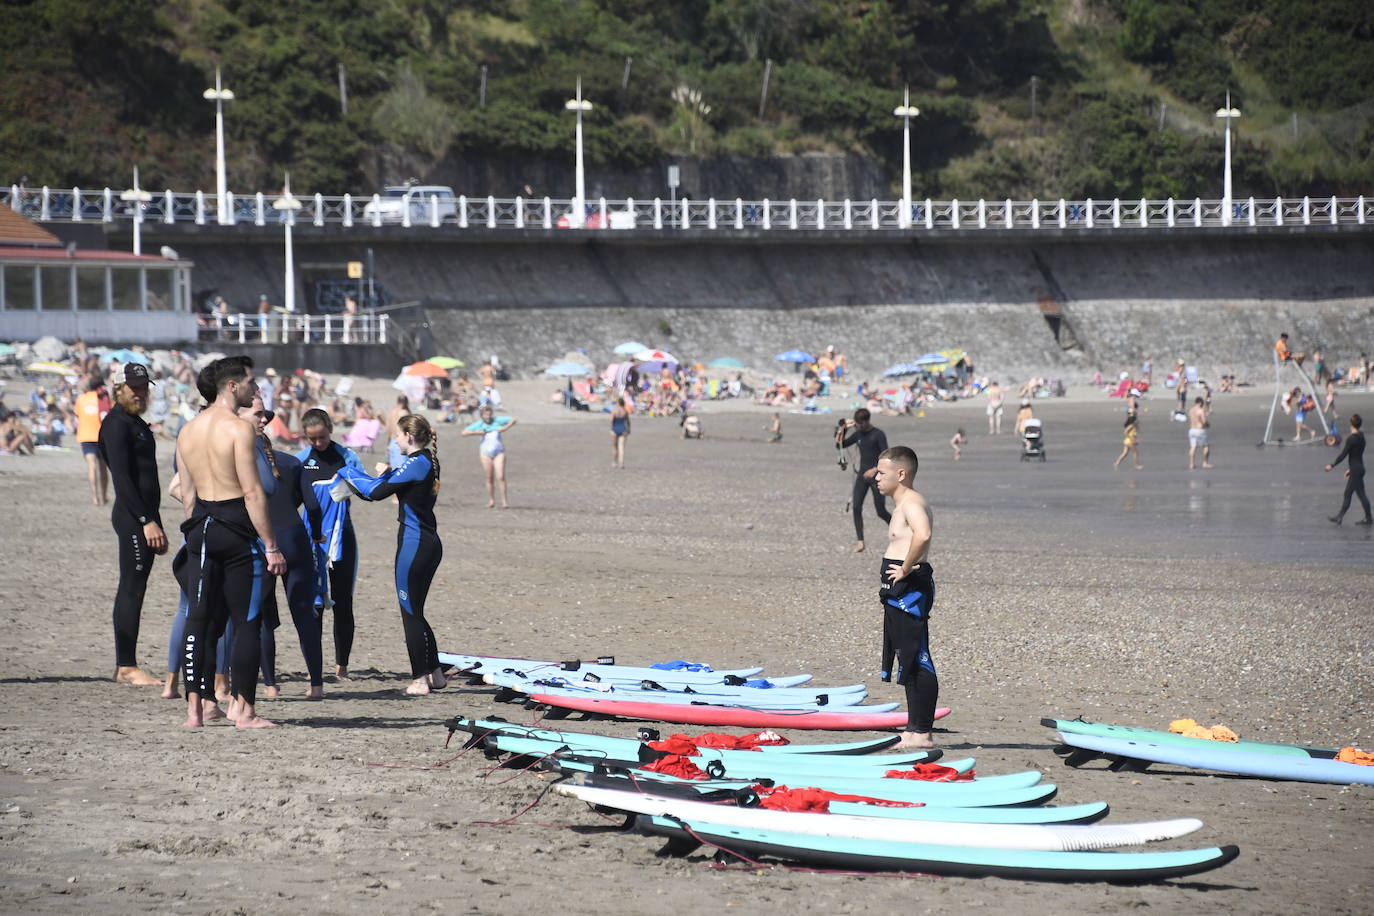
(1065, 589)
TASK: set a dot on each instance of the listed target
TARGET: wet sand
(1064, 589)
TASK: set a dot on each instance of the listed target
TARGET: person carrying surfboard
(907, 593)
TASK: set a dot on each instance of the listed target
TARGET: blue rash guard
(418, 548)
(340, 566)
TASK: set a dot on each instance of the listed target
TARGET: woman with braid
(415, 484)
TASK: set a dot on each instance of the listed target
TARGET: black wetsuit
(129, 449)
(907, 604)
(317, 465)
(418, 548)
(872, 442)
(1354, 484)
(227, 575)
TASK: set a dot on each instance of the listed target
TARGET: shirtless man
(229, 529)
(1197, 435)
(995, 396)
(907, 593)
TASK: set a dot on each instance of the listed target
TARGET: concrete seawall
(1059, 304)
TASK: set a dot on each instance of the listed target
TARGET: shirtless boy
(907, 593)
(229, 529)
(1198, 422)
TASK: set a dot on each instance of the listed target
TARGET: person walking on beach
(415, 484)
(1354, 475)
(91, 408)
(871, 442)
(1130, 443)
(995, 397)
(1199, 421)
(907, 594)
(620, 431)
(775, 428)
(229, 538)
(492, 451)
(128, 448)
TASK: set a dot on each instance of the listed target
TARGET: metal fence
(198, 208)
(283, 328)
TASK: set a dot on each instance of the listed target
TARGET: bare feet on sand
(244, 716)
(132, 674)
(316, 692)
(169, 687)
(341, 672)
(858, 548)
(914, 741)
(271, 690)
(222, 688)
(421, 686)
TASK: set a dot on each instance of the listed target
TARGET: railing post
(1278, 211)
(169, 213)
(658, 213)
(328, 328)
(1359, 214)
(848, 214)
(286, 327)
(1169, 213)
(686, 222)
(107, 206)
(200, 208)
(1144, 213)
(820, 214)
(491, 211)
(954, 213)
(982, 213)
(376, 210)
(792, 217)
(259, 211)
(519, 212)
(1007, 218)
(381, 327)
(1334, 211)
(319, 209)
(405, 212)
(1250, 211)
(1116, 212)
(1307, 211)
(1197, 211)
(1063, 222)
(710, 213)
(548, 213)
(462, 211)
(45, 206)
(434, 211)
(1035, 213)
(873, 213)
(930, 214)
(15, 204)
(76, 205)
(1088, 216)
(243, 327)
(348, 211)
(739, 213)
(768, 214)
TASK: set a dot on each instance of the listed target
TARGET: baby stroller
(1032, 440)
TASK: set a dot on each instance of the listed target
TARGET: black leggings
(342, 576)
(135, 564)
(862, 487)
(1354, 486)
(228, 577)
(417, 558)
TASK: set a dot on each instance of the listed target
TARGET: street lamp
(1227, 114)
(139, 198)
(906, 111)
(579, 214)
(288, 206)
(219, 95)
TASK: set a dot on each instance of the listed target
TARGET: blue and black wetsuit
(227, 575)
(907, 604)
(418, 548)
(316, 466)
(129, 449)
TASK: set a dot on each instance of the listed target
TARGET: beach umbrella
(656, 356)
(795, 356)
(125, 356)
(51, 367)
(567, 369)
(902, 369)
(725, 362)
(930, 359)
(446, 362)
(629, 348)
(425, 369)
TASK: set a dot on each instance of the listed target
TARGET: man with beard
(230, 539)
(129, 450)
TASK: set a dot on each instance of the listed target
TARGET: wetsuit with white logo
(129, 449)
(316, 466)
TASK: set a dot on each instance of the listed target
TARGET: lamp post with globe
(578, 217)
(906, 111)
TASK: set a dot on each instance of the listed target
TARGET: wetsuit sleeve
(116, 445)
(351, 459)
(1345, 452)
(850, 439)
(415, 469)
(269, 483)
(305, 496)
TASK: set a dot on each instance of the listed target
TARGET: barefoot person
(492, 451)
(871, 441)
(1354, 475)
(1198, 422)
(91, 408)
(129, 449)
(229, 538)
(415, 484)
(1130, 443)
(907, 593)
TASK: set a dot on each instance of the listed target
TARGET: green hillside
(1019, 98)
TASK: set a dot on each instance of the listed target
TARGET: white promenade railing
(285, 328)
(199, 208)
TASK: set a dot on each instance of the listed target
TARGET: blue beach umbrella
(567, 370)
(125, 356)
(795, 356)
(931, 359)
(725, 362)
(902, 369)
(629, 348)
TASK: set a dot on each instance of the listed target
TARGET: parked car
(395, 200)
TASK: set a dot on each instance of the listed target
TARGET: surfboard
(848, 718)
(844, 695)
(762, 700)
(1102, 730)
(485, 664)
(1058, 837)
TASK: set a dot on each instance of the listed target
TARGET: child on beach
(957, 442)
(775, 428)
(1130, 443)
(907, 594)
